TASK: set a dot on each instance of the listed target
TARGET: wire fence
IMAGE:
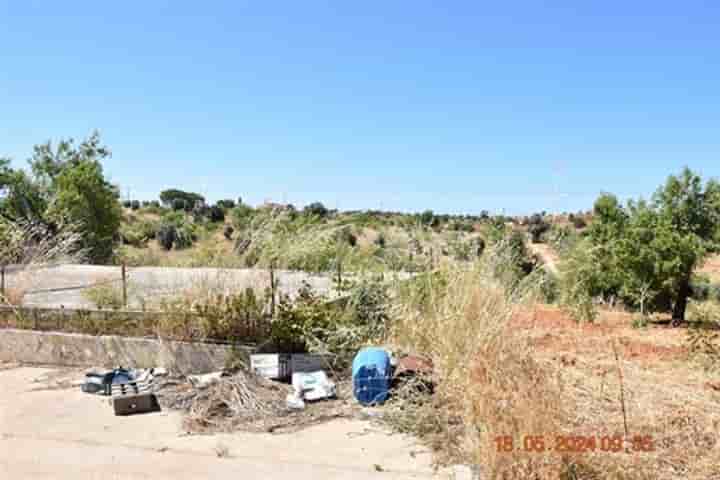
(178, 326)
(187, 324)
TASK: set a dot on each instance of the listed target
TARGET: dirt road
(69, 435)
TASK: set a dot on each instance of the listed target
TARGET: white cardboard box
(275, 366)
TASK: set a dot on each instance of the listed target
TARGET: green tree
(428, 218)
(537, 226)
(48, 162)
(84, 197)
(646, 252)
(690, 212)
(316, 208)
(20, 198)
(226, 204)
(170, 198)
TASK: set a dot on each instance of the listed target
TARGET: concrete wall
(52, 348)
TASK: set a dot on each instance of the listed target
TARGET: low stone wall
(68, 349)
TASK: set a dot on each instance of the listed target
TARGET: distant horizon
(286, 198)
(456, 108)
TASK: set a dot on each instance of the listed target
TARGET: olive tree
(645, 252)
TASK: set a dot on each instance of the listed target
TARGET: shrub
(154, 207)
(242, 216)
(380, 240)
(317, 209)
(345, 235)
(640, 321)
(226, 204)
(228, 232)
(166, 236)
(229, 317)
(108, 295)
(307, 316)
(428, 218)
(131, 236)
(126, 203)
(175, 231)
(537, 226)
(178, 204)
(135, 204)
(216, 214)
(579, 222)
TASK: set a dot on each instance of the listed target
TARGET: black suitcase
(135, 403)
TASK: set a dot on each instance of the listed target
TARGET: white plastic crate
(275, 366)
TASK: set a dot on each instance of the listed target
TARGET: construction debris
(245, 401)
(204, 381)
(313, 386)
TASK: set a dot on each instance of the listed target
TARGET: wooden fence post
(2, 280)
(339, 274)
(272, 290)
(124, 284)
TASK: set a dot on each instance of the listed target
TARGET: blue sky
(453, 106)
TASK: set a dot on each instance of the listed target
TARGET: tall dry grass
(26, 247)
(488, 383)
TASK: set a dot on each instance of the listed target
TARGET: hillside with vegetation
(599, 326)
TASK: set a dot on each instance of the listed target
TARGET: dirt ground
(50, 429)
(667, 395)
(711, 268)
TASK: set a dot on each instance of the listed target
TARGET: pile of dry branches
(240, 398)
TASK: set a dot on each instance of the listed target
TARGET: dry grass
(14, 294)
(519, 369)
(489, 384)
(24, 247)
(667, 397)
(711, 268)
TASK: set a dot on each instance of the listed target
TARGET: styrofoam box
(271, 365)
(307, 362)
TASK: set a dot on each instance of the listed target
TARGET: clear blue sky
(407, 105)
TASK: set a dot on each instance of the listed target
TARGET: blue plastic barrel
(372, 373)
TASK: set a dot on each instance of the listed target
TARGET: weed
(106, 295)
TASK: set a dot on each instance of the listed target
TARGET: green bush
(216, 214)
(537, 226)
(317, 209)
(178, 204)
(108, 295)
(380, 240)
(297, 320)
(176, 231)
(346, 236)
(132, 236)
(226, 204)
(242, 216)
(166, 236)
